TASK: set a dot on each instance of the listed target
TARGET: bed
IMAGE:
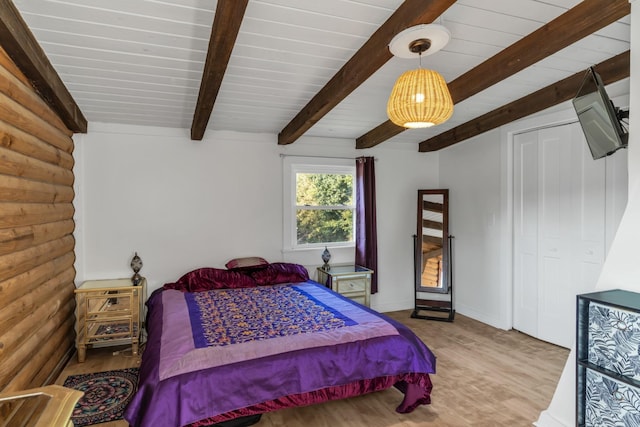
(228, 345)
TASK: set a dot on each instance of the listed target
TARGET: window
(320, 207)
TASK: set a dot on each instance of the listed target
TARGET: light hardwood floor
(485, 377)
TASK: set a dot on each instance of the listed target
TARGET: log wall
(36, 236)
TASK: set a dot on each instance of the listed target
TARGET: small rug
(106, 395)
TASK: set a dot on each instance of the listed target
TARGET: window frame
(293, 166)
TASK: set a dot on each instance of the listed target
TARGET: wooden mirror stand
(432, 257)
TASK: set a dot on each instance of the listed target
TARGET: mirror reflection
(432, 241)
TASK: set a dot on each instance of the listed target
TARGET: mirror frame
(445, 270)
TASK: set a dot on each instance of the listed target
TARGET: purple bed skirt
(416, 389)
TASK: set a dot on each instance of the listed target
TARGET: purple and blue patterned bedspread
(253, 314)
(213, 352)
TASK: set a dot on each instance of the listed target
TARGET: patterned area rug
(106, 394)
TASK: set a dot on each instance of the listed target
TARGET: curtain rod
(326, 157)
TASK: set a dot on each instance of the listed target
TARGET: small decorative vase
(136, 265)
(326, 256)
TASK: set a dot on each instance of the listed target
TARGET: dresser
(109, 312)
(352, 281)
(608, 359)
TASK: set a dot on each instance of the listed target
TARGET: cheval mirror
(432, 252)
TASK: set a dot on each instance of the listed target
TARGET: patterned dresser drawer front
(610, 402)
(351, 285)
(614, 340)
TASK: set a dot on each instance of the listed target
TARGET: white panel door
(568, 227)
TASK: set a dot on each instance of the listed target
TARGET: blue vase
(326, 256)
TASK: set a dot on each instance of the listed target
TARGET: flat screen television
(599, 118)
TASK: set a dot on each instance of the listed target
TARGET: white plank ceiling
(140, 61)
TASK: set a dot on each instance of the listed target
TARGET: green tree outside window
(324, 208)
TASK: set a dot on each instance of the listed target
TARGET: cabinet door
(611, 402)
(613, 339)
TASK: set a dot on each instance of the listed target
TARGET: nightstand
(109, 312)
(352, 281)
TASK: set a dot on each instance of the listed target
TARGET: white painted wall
(471, 172)
(621, 268)
(183, 204)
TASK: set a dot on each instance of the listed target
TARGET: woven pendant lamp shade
(419, 99)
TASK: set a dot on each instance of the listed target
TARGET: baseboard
(389, 306)
(53, 376)
(485, 318)
(548, 420)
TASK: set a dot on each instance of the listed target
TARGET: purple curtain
(366, 229)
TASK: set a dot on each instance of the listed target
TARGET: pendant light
(420, 98)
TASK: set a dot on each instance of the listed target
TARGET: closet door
(525, 240)
(559, 229)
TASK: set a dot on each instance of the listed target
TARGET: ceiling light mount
(420, 46)
(403, 45)
(420, 98)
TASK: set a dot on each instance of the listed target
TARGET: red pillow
(280, 272)
(205, 279)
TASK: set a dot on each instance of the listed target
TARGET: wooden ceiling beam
(611, 70)
(23, 49)
(582, 20)
(366, 61)
(224, 31)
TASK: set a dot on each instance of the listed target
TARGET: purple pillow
(280, 272)
(205, 279)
